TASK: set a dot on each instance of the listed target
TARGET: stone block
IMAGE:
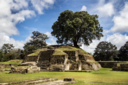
(69, 79)
(2, 70)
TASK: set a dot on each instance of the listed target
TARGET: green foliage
(9, 56)
(16, 53)
(37, 41)
(1, 55)
(78, 27)
(7, 47)
(123, 52)
(105, 51)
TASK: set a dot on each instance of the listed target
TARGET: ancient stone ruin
(120, 67)
(63, 58)
(28, 67)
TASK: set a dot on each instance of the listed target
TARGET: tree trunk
(75, 44)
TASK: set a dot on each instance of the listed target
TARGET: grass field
(104, 76)
(17, 62)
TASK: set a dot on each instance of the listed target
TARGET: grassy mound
(60, 51)
(17, 62)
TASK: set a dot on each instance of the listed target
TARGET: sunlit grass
(105, 75)
(12, 62)
(59, 51)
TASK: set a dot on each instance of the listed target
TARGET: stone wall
(71, 61)
(56, 67)
(6, 65)
(30, 58)
(120, 67)
(74, 66)
(86, 66)
(58, 59)
(107, 64)
(72, 55)
(45, 55)
(44, 59)
(25, 69)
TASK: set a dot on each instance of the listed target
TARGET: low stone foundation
(2, 70)
(25, 69)
(120, 67)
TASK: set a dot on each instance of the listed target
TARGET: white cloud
(6, 39)
(18, 4)
(103, 9)
(121, 21)
(92, 46)
(48, 34)
(117, 39)
(20, 17)
(52, 41)
(84, 8)
(39, 5)
(51, 38)
(8, 20)
(106, 9)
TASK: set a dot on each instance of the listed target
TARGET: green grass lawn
(17, 62)
(104, 76)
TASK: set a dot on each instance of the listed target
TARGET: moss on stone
(59, 52)
(36, 52)
(60, 49)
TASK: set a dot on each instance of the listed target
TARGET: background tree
(7, 47)
(16, 53)
(123, 52)
(37, 41)
(1, 55)
(105, 51)
(78, 27)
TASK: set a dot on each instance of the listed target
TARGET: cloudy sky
(19, 18)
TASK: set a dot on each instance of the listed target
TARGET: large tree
(123, 52)
(105, 51)
(7, 47)
(76, 27)
(37, 41)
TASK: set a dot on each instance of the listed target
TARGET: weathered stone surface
(4, 84)
(2, 70)
(64, 58)
(28, 64)
(31, 58)
(6, 65)
(56, 68)
(33, 69)
(107, 64)
(18, 70)
(120, 67)
(25, 69)
(1, 67)
(69, 79)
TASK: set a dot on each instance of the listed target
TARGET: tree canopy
(105, 51)
(123, 52)
(1, 55)
(76, 27)
(37, 41)
(7, 47)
